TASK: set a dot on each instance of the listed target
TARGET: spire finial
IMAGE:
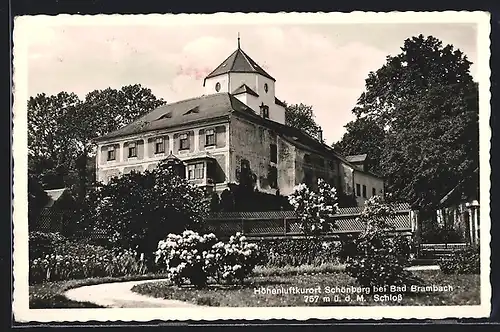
(238, 40)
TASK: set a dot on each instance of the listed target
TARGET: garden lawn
(466, 291)
(50, 295)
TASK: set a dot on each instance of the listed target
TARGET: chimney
(320, 135)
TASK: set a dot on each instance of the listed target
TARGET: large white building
(238, 127)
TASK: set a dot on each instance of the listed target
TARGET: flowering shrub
(377, 257)
(76, 261)
(314, 208)
(466, 261)
(296, 252)
(235, 259)
(187, 257)
(194, 258)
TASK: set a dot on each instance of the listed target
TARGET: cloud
(320, 65)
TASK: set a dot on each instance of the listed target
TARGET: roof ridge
(216, 68)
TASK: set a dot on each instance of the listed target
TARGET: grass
(267, 271)
(466, 291)
(50, 295)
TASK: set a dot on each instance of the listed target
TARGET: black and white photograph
(251, 166)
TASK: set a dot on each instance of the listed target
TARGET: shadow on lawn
(244, 285)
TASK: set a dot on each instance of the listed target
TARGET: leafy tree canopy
(427, 103)
(136, 210)
(61, 129)
(302, 117)
(363, 136)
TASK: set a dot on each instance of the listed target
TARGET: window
(184, 142)
(111, 153)
(159, 145)
(274, 153)
(217, 86)
(364, 191)
(199, 171)
(265, 112)
(266, 88)
(374, 192)
(196, 171)
(358, 189)
(132, 150)
(273, 177)
(210, 137)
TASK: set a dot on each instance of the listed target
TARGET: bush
(235, 259)
(137, 209)
(441, 235)
(296, 252)
(73, 260)
(315, 208)
(41, 244)
(190, 257)
(466, 261)
(376, 257)
(379, 261)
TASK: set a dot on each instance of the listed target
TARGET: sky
(323, 65)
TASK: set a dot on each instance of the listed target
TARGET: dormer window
(159, 145)
(264, 111)
(111, 153)
(209, 137)
(132, 150)
(184, 142)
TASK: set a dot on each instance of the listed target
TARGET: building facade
(237, 129)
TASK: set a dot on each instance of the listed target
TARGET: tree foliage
(427, 103)
(137, 210)
(51, 145)
(363, 136)
(61, 129)
(302, 117)
(37, 199)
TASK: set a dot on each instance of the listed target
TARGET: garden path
(119, 295)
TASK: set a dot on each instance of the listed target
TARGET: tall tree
(50, 139)
(427, 102)
(363, 135)
(104, 111)
(61, 129)
(302, 117)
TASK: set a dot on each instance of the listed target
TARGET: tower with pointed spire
(242, 77)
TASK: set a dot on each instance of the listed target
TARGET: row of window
(359, 194)
(160, 145)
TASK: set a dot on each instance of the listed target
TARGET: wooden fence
(286, 223)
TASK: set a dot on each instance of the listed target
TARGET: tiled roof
(356, 158)
(183, 112)
(244, 89)
(239, 62)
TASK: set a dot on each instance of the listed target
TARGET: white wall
(238, 79)
(211, 82)
(370, 182)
